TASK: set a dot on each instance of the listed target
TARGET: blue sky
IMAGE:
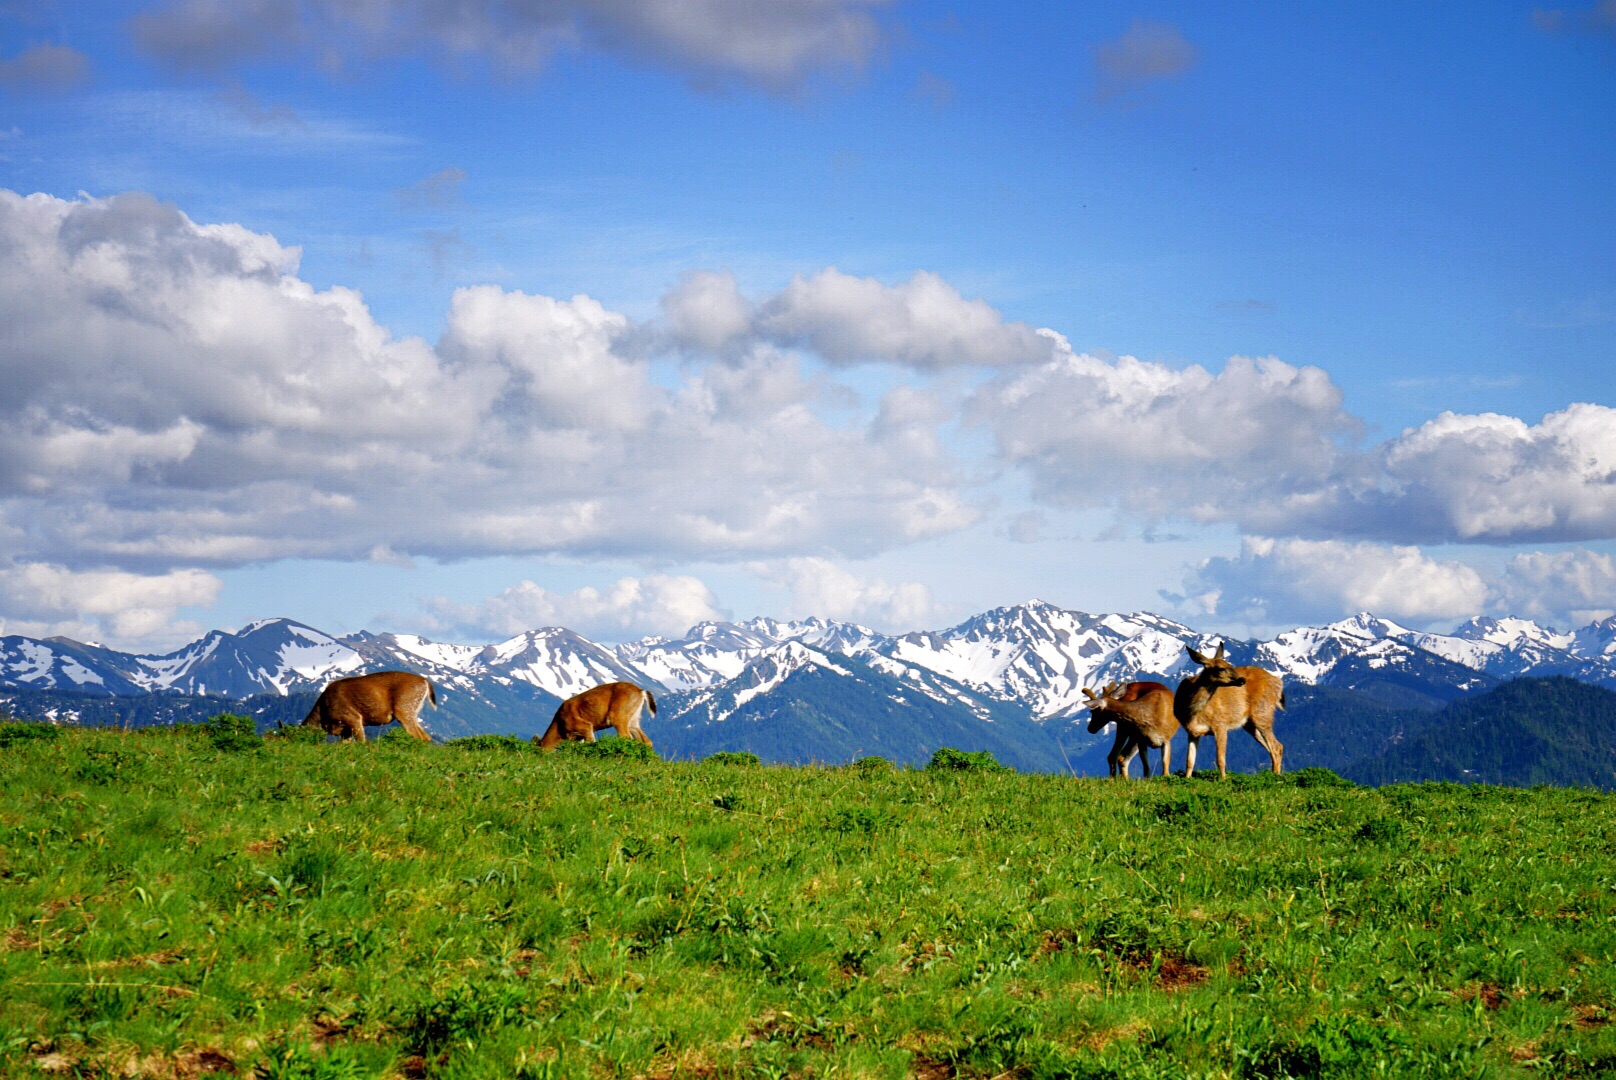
(1409, 211)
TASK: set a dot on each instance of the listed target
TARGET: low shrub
(232, 733)
(398, 739)
(507, 743)
(13, 732)
(1380, 830)
(948, 759)
(873, 764)
(1317, 776)
(298, 735)
(614, 747)
(733, 757)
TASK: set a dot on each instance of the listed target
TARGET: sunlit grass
(168, 906)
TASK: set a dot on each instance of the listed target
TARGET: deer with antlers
(1221, 697)
(1143, 714)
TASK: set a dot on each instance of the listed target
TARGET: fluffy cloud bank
(1288, 582)
(113, 606)
(627, 609)
(1274, 582)
(923, 323)
(1270, 448)
(821, 587)
(178, 396)
(773, 45)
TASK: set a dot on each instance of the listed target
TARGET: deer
(1143, 714)
(1221, 697)
(346, 707)
(613, 705)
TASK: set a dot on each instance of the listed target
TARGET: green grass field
(168, 907)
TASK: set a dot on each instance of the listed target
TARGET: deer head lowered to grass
(347, 706)
(1221, 697)
(614, 705)
(1143, 714)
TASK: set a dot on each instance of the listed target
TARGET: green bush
(873, 764)
(948, 759)
(1380, 830)
(399, 739)
(733, 757)
(25, 731)
(1317, 776)
(298, 735)
(232, 733)
(507, 743)
(614, 747)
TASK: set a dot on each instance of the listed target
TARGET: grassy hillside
(313, 911)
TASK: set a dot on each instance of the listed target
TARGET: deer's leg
(1113, 758)
(1126, 759)
(1144, 757)
(1276, 752)
(411, 723)
(1189, 756)
(1221, 737)
(1167, 759)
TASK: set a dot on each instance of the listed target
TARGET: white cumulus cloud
(924, 323)
(824, 588)
(1565, 588)
(1275, 582)
(1270, 448)
(629, 608)
(111, 606)
(178, 396)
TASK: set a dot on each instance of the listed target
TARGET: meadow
(175, 902)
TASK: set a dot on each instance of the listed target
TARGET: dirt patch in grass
(692, 1063)
(1058, 941)
(1591, 1016)
(1491, 995)
(18, 940)
(329, 1029)
(520, 961)
(1099, 1040)
(922, 1067)
(268, 846)
(153, 959)
(1178, 973)
(796, 1031)
(55, 1062)
(929, 953)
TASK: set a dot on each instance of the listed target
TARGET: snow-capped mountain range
(1035, 656)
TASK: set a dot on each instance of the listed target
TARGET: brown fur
(1143, 714)
(348, 706)
(614, 705)
(1220, 698)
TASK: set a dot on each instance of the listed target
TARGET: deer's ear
(1219, 656)
(1197, 657)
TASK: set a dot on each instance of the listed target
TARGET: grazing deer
(346, 707)
(1221, 697)
(1143, 714)
(614, 705)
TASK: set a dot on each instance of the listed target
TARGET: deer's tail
(650, 702)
